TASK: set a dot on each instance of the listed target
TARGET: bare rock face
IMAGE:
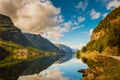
(96, 36)
(9, 32)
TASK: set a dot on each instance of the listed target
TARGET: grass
(18, 54)
(101, 67)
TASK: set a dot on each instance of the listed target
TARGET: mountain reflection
(65, 68)
(65, 58)
(40, 64)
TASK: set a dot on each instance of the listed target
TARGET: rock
(81, 70)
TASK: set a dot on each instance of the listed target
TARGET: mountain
(106, 36)
(9, 32)
(42, 43)
(13, 43)
(16, 52)
(65, 48)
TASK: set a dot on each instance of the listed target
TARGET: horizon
(68, 22)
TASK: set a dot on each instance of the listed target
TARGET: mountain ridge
(42, 43)
(9, 32)
(65, 48)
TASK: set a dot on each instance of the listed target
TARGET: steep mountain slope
(14, 57)
(106, 36)
(9, 32)
(65, 48)
(12, 42)
(41, 43)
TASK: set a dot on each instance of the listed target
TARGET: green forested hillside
(14, 46)
(106, 36)
(8, 32)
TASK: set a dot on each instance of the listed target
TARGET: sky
(69, 22)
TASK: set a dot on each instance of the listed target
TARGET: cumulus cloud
(36, 16)
(113, 4)
(57, 32)
(94, 14)
(105, 14)
(91, 30)
(81, 19)
(82, 5)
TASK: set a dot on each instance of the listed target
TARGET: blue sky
(69, 22)
(85, 13)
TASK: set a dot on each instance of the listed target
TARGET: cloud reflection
(46, 75)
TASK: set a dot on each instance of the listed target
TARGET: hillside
(9, 32)
(16, 51)
(42, 43)
(106, 36)
(65, 48)
(14, 46)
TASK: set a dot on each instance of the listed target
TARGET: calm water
(51, 68)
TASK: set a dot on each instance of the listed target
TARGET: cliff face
(106, 36)
(9, 32)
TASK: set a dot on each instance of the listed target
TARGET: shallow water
(65, 68)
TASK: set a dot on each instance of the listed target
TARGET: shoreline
(101, 67)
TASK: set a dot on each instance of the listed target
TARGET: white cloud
(105, 14)
(91, 30)
(57, 32)
(94, 14)
(81, 19)
(35, 16)
(113, 4)
(104, 1)
(77, 27)
(82, 5)
(76, 23)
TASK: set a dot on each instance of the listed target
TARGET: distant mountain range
(65, 48)
(42, 43)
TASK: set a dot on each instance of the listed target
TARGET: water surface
(64, 68)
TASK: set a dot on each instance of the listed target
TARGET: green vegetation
(100, 67)
(106, 23)
(105, 40)
(110, 39)
(77, 54)
(12, 41)
(16, 53)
